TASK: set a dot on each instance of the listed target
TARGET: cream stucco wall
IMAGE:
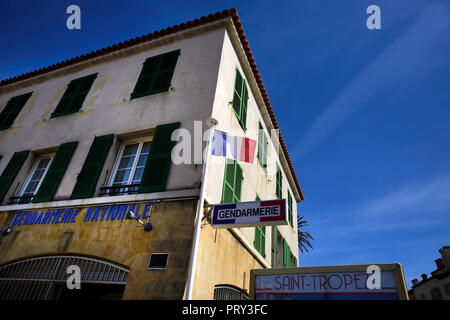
(109, 109)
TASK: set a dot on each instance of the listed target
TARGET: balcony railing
(21, 200)
(119, 190)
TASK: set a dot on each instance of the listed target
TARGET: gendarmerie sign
(70, 215)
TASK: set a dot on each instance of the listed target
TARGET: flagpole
(211, 122)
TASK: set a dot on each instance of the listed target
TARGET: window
(290, 210)
(279, 190)
(73, 98)
(447, 288)
(55, 173)
(34, 180)
(158, 261)
(436, 294)
(11, 171)
(240, 98)
(129, 167)
(262, 147)
(12, 110)
(156, 74)
(232, 184)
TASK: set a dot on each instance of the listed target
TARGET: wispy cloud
(415, 205)
(401, 62)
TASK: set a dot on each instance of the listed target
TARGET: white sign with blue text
(248, 214)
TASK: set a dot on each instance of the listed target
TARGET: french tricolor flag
(233, 147)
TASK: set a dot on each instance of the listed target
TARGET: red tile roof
(157, 34)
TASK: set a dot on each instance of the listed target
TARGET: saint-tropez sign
(247, 214)
(383, 281)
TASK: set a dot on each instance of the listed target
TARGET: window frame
(33, 169)
(124, 143)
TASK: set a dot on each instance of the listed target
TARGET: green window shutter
(93, 165)
(240, 99)
(291, 222)
(55, 172)
(257, 241)
(275, 247)
(11, 171)
(260, 240)
(260, 237)
(263, 241)
(232, 185)
(237, 94)
(159, 160)
(262, 147)
(286, 254)
(279, 184)
(73, 98)
(228, 182)
(237, 183)
(12, 110)
(156, 74)
(243, 118)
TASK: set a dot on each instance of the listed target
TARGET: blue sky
(365, 113)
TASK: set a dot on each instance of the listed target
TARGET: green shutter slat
(55, 172)
(12, 110)
(92, 167)
(156, 171)
(11, 171)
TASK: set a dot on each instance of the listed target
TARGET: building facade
(437, 286)
(86, 141)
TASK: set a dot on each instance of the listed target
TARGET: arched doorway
(229, 292)
(45, 278)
